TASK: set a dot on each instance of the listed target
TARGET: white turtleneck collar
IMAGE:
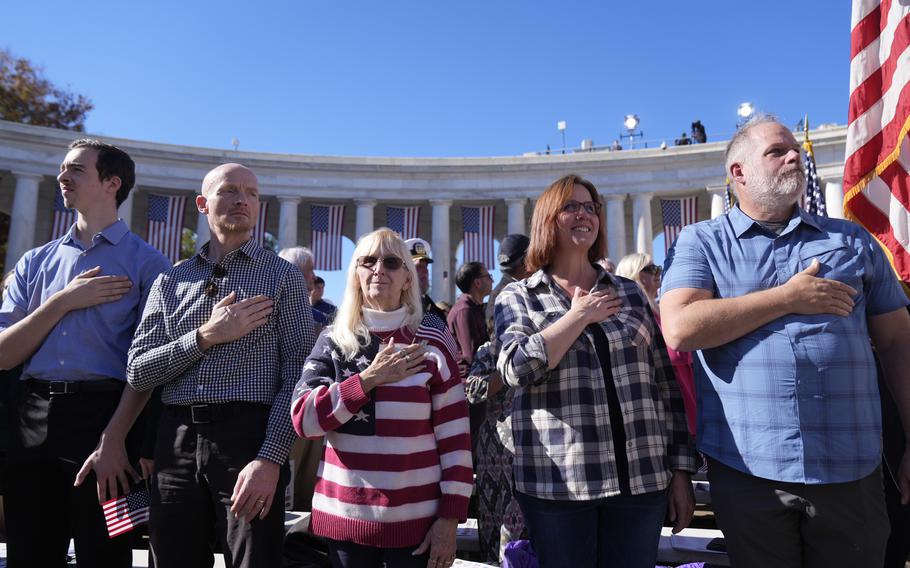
(376, 320)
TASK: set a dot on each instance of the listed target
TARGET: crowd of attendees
(549, 406)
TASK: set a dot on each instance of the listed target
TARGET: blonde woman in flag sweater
(382, 386)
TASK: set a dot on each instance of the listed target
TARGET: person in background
(601, 447)
(68, 317)
(382, 386)
(302, 258)
(639, 268)
(421, 255)
(781, 305)
(607, 264)
(320, 303)
(511, 261)
(467, 319)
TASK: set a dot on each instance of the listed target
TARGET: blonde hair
(630, 267)
(349, 332)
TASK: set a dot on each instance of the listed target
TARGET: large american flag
(478, 234)
(325, 235)
(63, 218)
(878, 159)
(677, 213)
(403, 220)
(815, 199)
(123, 514)
(261, 224)
(165, 224)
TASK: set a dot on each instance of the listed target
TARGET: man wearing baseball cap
(421, 255)
(511, 261)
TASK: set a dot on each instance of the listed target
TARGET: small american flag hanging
(478, 234)
(165, 224)
(814, 198)
(259, 229)
(123, 514)
(677, 213)
(403, 220)
(325, 235)
(63, 218)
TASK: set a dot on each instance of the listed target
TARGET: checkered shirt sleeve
(262, 366)
(560, 419)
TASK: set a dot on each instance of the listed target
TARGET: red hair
(543, 222)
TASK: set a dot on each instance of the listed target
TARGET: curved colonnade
(630, 181)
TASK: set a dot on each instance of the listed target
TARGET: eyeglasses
(388, 262)
(211, 287)
(589, 207)
(652, 269)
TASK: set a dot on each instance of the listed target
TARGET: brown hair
(543, 222)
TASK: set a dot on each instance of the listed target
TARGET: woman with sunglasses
(382, 386)
(601, 448)
(640, 268)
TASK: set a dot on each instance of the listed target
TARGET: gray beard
(779, 191)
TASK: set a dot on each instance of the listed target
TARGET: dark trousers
(772, 523)
(345, 554)
(196, 467)
(51, 439)
(615, 532)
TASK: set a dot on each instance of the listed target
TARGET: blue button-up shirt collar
(742, 223)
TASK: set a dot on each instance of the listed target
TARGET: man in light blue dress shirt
(69, 316)
(780, 306)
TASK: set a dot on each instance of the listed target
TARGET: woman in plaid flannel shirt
(602, 451)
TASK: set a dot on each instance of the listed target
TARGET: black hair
(112, 161)
(467, 273)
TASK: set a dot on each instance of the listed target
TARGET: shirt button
(61, 361)
(629, 444)
(63, 334)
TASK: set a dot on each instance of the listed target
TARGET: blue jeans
(616, 532)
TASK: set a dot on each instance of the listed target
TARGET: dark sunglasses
(589, 207)
(652, 269)
(388, 262)
(211, 287)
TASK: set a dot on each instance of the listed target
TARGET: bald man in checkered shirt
(226, 333)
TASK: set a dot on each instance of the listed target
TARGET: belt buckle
(59, 387)
(200, 413)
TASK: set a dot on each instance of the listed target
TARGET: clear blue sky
(421, 78)
(426, 78)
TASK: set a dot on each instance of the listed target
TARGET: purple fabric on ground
(519, 554)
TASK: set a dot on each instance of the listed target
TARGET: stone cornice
(676, 170)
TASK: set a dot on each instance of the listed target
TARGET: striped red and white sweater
(397, 458)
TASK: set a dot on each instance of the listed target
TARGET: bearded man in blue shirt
(780, 305)
(69, 316)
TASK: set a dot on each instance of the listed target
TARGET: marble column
(22, 219)
(834, 199)
(364, 220)
(717, 200)
(616, 226)
(516, 223)
(441, 285)
(641, 217)
(287, 221)
(202, 230)
(125, 211)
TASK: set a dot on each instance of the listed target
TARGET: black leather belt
(208, 413)
(74, 387)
